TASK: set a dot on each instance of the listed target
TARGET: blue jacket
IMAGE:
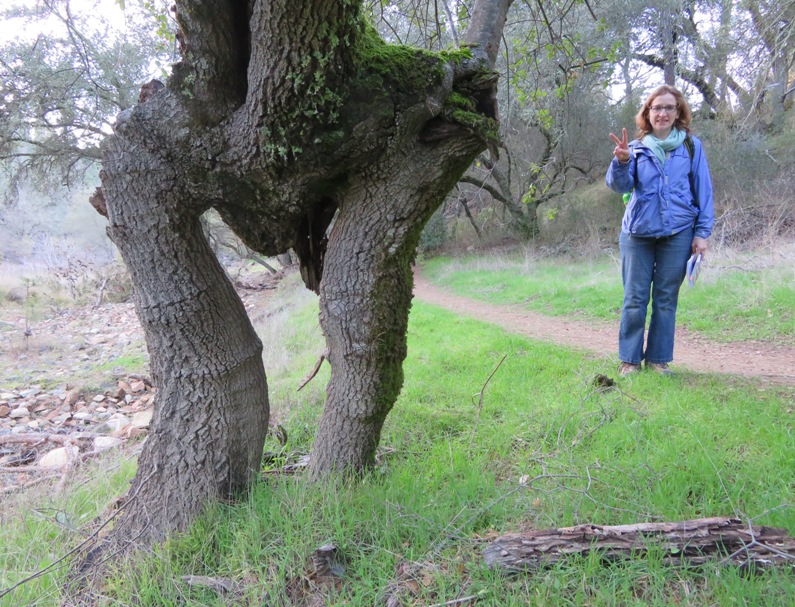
(662, 203)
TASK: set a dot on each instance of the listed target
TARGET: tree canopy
(63, 80)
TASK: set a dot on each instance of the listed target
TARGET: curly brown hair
(683, 117)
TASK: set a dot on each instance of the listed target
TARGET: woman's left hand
(699, 246)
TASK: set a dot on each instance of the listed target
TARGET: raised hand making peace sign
(622, 146)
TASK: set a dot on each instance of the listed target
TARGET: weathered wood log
(693, 542)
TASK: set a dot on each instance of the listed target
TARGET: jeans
(651, 267)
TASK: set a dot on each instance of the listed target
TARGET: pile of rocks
(43, 431)
(47, 430)
(68, 346)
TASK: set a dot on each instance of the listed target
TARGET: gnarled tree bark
(287, 117)
(205, 357)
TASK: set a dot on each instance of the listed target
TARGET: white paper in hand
(693, 269)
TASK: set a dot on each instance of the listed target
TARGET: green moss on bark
(407, 72)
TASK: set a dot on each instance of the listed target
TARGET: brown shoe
(627, 369)
(661, 368)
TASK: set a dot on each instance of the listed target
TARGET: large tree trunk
(277, 131)
(366, 286)
(211, 408)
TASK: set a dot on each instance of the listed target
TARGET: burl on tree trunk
(695, 542)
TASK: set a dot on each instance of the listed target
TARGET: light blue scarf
(673, 141)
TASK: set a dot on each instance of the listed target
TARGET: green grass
(129, 363)
(589, 288)
(40, 526)
(734, 300)
(448, 475)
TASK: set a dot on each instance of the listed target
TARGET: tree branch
(485, 29)
(214, 37)
(483, 185)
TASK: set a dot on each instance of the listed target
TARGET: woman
(669, 216)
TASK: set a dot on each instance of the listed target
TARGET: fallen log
(694, 542)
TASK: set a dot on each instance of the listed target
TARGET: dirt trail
(750, 359)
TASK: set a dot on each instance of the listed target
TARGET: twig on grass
(34, 482)
(606, 415)
(221, 586)
(313, 372)
(769, 510)
(463, 599)
(39, 438)
(717, 473)
(24, 469)
(457, 531)
(483, 391)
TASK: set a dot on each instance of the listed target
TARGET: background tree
(554, 107)
(61, 88)
(66, 71)
(737, 55)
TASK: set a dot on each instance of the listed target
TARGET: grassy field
(737, 297)
(454, 470)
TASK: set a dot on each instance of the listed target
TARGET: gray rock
(101, 443)
(117, 422)
(19, 413)
(142, 419)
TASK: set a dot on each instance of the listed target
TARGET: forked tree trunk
(278, 115)
(211, 408)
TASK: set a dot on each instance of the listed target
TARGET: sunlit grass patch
(736, 297)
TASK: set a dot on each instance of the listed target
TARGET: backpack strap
(691, 150)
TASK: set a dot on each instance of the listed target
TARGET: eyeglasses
(659, 109)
